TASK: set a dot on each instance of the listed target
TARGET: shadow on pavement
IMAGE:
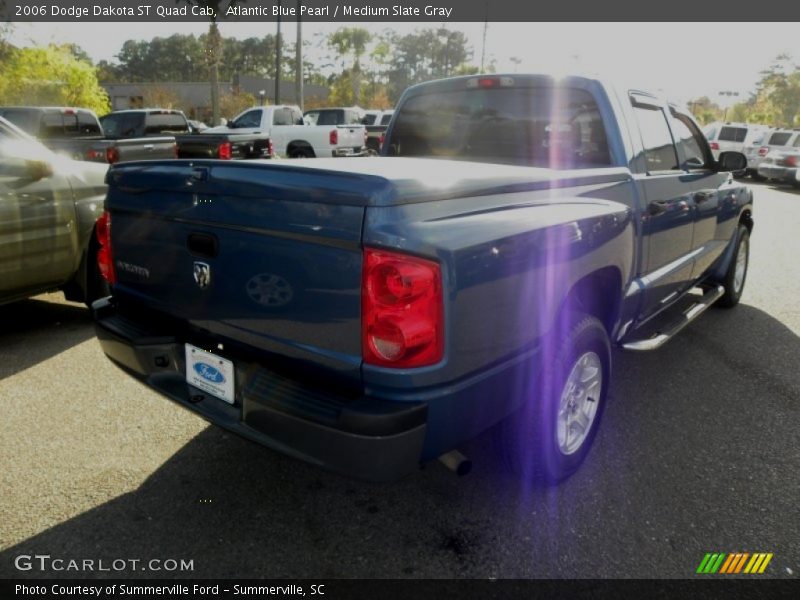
(34, 330)
(697, 452)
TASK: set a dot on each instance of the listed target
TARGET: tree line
(775, 101)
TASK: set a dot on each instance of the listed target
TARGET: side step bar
(661, 337)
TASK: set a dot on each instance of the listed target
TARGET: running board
(661, 337)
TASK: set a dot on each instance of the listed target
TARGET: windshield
(536, 126)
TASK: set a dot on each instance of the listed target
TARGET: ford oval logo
(209, 373)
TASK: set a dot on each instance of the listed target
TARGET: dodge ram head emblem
(202, 275)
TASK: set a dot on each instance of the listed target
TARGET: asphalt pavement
(698, 452)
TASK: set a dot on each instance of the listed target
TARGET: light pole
(729, 94)
(278, 59)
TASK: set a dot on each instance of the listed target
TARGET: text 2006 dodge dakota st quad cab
(372, 314)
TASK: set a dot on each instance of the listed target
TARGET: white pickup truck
(292, 138)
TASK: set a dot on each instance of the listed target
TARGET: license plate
(210, 373)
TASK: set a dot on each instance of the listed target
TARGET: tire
(545, 440)
(301, 153)
(737, 271)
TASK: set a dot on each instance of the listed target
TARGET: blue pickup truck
(369, 315)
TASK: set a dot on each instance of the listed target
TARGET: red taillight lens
(112, 155)
(334, 137)
(714, 146)
(95, 155)
(224, 151)
(763, 151)
(105, 258)
(175, 149)
(381, 139)
(270, 149)
(402, 315)
(791, 161)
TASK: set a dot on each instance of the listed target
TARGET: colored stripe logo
(733, 563)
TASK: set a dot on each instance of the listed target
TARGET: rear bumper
(772, 171)
(365, 438)
(346, 152)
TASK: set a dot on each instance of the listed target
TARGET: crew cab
(48, 208)
(290, 136)
(73, 132)
(370, 315)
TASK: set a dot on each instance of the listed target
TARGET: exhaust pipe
(456, 462)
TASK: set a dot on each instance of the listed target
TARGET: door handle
(701, 197)
(658, 207)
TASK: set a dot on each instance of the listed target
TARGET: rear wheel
(737, 270)
(550, 436)
(301, 153)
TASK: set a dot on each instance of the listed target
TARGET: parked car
(755, 151)
(371, 314)
(778, 141)
(48, 208)
(74, 132)
(723, 137)
(167, 133)
(376, 131)
(781, 166)
(291, 137)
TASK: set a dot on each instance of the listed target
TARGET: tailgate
(267, 257)
(351, 136)
(145, 148)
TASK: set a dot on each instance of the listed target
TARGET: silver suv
(779, 141)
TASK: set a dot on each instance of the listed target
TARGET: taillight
(175, 149)
(112, 155)
(381, 139)
(95, 155)
(402, 315)
(763, 151)
(791, 161)
(334, 137)
(270, 149)
(224, 151)
(366, 135)
(714, 146)
(105, 258)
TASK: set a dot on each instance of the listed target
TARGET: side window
(88, 124)
(282, 116)
(797, 141)
(52, 126)
(157, 124)
(251, 118)
(692, 148)
(659, 149)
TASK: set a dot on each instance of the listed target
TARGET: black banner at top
(363, 11)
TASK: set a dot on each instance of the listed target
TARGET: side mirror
(731, 161)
